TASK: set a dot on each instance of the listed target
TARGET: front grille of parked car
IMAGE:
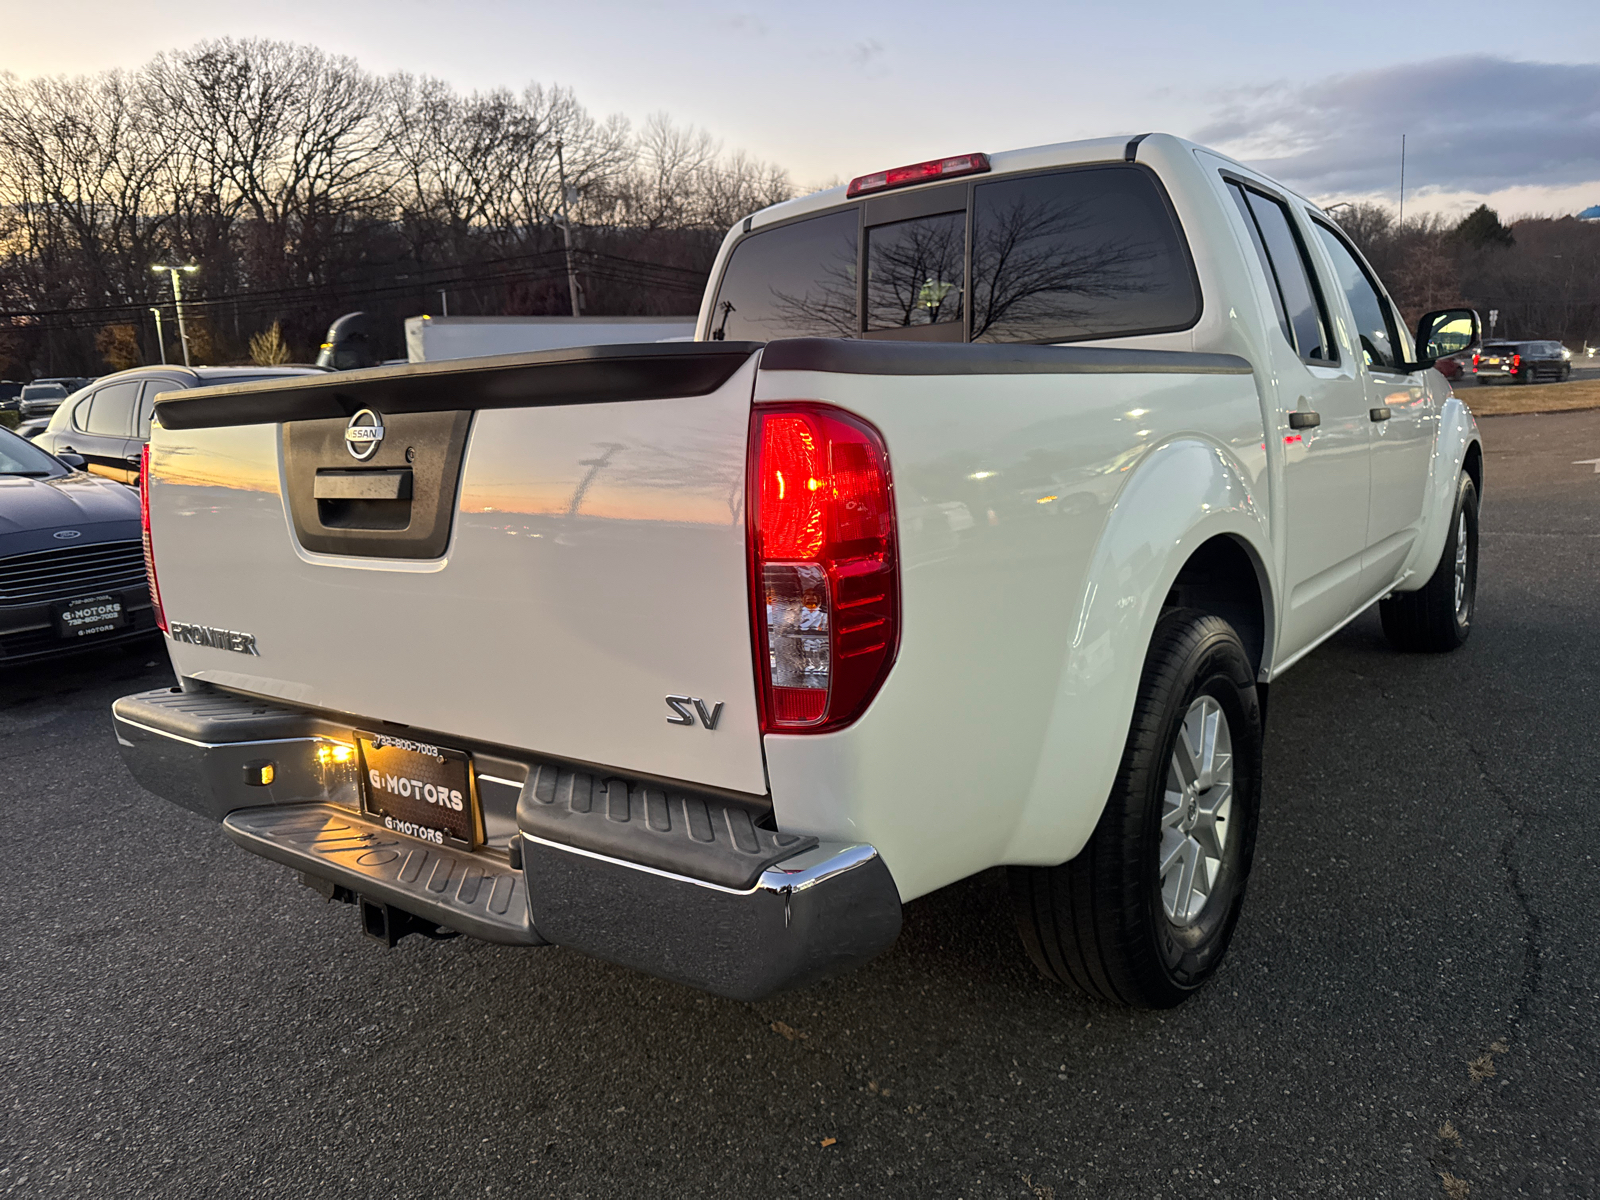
(71, 571)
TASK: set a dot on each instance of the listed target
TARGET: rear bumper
(644, 879)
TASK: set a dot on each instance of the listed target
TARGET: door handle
(1378, 414)
(1305, 419)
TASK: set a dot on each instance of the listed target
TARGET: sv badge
(683, 716)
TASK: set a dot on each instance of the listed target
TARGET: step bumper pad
(479, 894)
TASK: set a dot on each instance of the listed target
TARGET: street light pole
(566, 232)
(161, 341)
(177, 301)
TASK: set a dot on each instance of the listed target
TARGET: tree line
(1541, 274)
(304, 186)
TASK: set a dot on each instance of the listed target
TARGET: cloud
(863, 53)
(1473, 123)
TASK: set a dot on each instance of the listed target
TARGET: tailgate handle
(363, 485)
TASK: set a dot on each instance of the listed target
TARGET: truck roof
(1005, 162)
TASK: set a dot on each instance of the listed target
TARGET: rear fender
(1182, 495)
(1458, 432)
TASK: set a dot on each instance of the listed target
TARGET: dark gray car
(1521, 362)
(108, 422)
(71, 557)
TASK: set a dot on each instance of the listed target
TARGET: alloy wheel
(1196, 806)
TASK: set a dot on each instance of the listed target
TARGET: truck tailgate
(587, 562)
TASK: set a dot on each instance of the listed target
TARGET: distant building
(1590, 214)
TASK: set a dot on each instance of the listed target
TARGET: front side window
(1088, 253)
(111, 411)
(1288, 273)
(914, 272)
(796, 280)
(1374, 329)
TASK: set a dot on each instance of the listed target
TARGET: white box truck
(429, 339)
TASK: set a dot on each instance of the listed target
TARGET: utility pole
(161, 341)
(566, 232)
(177, 300)
(1402, 183)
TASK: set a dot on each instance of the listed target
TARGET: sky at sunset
(1495, 102)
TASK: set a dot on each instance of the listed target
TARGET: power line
(598, 264)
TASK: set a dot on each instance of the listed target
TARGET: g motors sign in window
(419, 789)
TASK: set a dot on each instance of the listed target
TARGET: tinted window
(1299, 310)
(154, 387)
(1077, 254)
(1373, 332)
(796, 280)
(1254, 231)
(914, 271)
(111, 409)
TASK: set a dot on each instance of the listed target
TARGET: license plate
(419, 789)
(88, 615)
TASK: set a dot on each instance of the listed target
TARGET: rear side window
(1283, 258)
(1088, 253)
(111, 409)
(154, 387)
(796, 280)
(1375, 332)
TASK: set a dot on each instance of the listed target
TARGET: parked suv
(108, 424)
(1522, 362)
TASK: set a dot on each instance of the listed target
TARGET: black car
(108, 423)
(1522, 362)
(71, 557)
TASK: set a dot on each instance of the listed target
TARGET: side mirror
(75, 461)
(1443, 333)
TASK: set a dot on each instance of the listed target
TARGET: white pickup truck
(971, 530)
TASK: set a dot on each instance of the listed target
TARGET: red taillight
(934, 168)
(144, 532)
(824, 571)
(1516, 363)
(1475, 362)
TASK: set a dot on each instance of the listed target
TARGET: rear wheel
(1143, 915)
(1438, 615)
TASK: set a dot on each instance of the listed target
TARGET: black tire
(1566, 374)
(1431, 619)
(1099, 921)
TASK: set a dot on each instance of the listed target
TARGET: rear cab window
(1069, 254)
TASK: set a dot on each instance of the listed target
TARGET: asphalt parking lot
(1409, 1008)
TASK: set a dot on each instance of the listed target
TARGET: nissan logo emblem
(363, 435)
(66, 534)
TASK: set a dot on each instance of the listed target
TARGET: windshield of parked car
(18, 456)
